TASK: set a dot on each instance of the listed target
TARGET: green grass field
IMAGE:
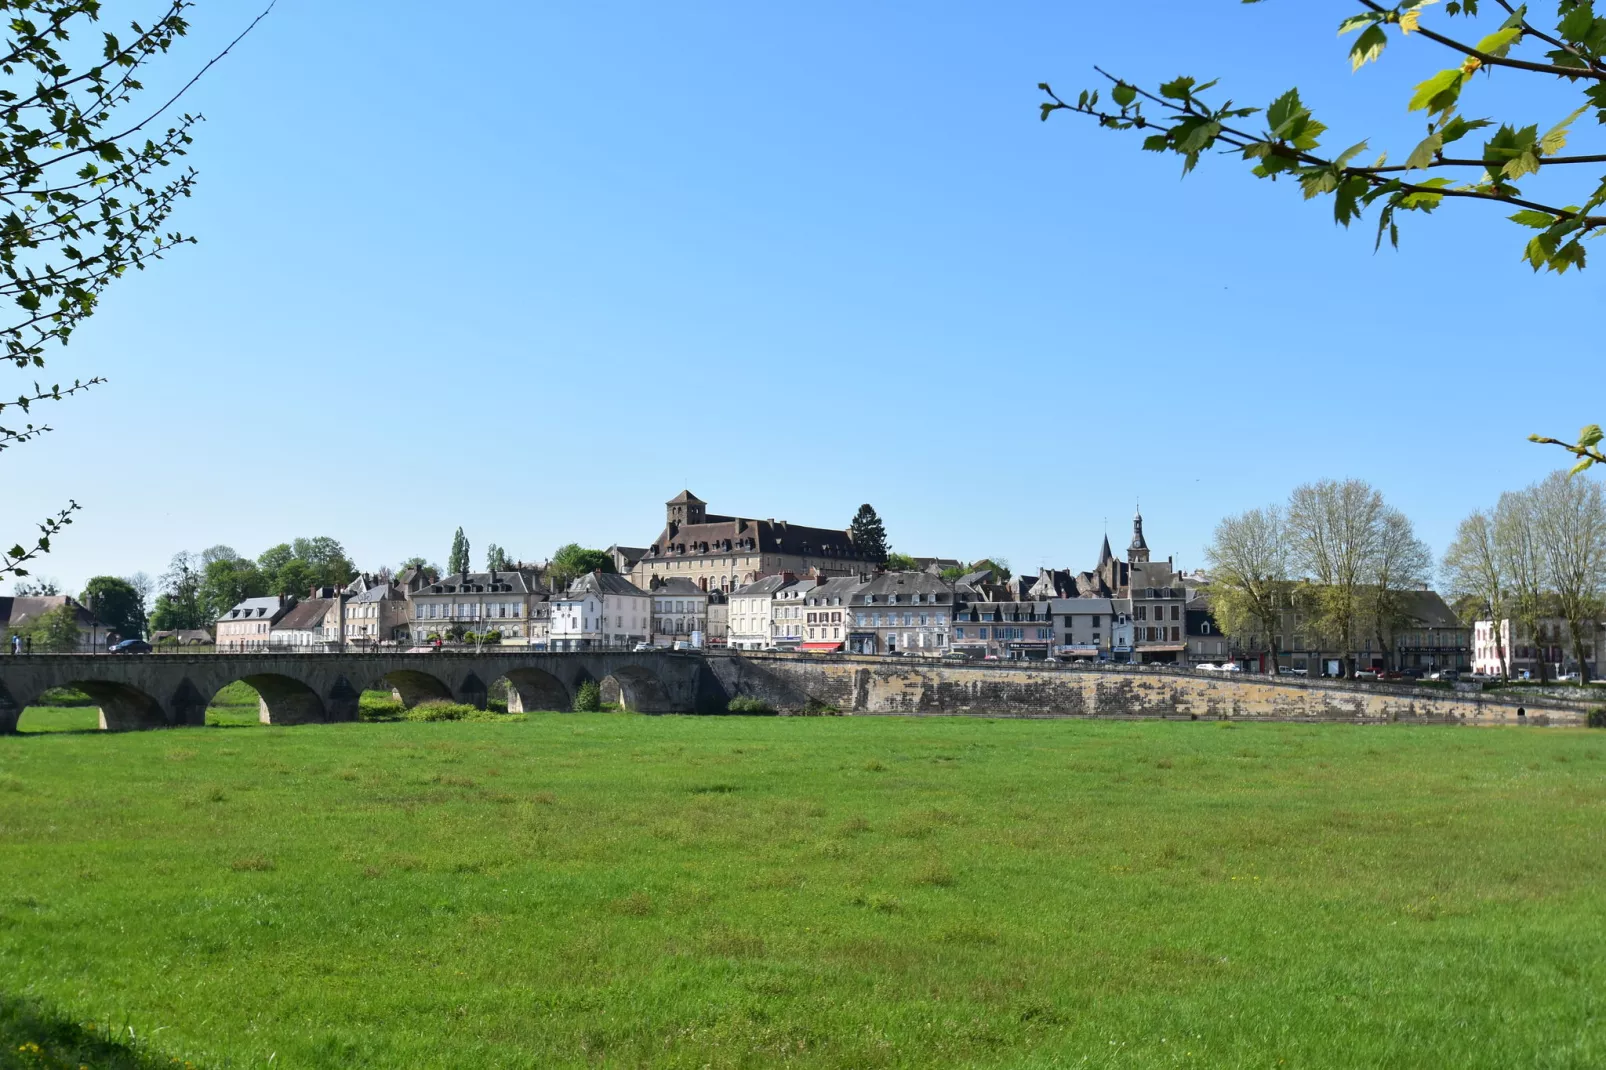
(618, 890)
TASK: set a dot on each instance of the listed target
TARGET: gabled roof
(905, 585)
(683, 497)
(19, 610)
(382, 593)
(679, 587)
(308, 614)
(766, 586)
(499, 582)
(268, 608)
(602, 583)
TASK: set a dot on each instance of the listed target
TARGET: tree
(868, 536)
(1516, 537)
(77, 177)
(901, 563)
(1249, 583)
(495, 559)
(1473, 571)
(1181, 116)
(116, 604)
(1401, 563)
(226, 583)
(1333, 535)
(39, 585)
(271, 560)
(457, 563)
(326, 559)
(573, 561)
(179, 606)
(55, 631)
(953, 573)
(144, 586)
(1571, 516)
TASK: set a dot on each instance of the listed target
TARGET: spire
(1105, 555)
(1139, 550)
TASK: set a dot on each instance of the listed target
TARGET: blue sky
(534, 272)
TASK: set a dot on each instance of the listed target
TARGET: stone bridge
(162, 690)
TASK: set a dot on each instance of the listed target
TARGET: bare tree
(1333, 534)
(1473, 569)
(143, 586)
(1522, 560)
(1571, 515)
(1248, 558)
(1401, 562)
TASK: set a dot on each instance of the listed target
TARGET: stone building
(725, 553)
(751, 612)
(901, 613)
(1548, 644)
(249, 625)
(312, 623)
(20, 612)
(787, 613)
(826, 612)
(379, 614)
(1010, 631)
(1086, 629)
(476, 602)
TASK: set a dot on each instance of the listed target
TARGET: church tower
(1138, 552)
(686, 508)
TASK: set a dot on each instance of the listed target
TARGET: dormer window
(869, 599)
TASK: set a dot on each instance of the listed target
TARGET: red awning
(822, 646)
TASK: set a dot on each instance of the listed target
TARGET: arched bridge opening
(639, 690)
(411, 686)
(531, 690)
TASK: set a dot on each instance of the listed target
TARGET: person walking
(16, 644)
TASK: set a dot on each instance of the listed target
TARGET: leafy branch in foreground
(1181, 116)
(81, 197)
(12, 560)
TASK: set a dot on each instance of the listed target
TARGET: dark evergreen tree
(868, 535)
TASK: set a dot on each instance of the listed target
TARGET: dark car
(132, 646)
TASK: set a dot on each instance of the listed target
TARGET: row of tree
(1336, 553)
(200, 587)
(1539, 553)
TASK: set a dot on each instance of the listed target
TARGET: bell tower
(1138, 552)
(686, 508)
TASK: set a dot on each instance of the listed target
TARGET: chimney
(281, 600)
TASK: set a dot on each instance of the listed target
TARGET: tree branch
(1489, 60)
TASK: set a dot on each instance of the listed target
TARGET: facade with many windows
(1006, 630)
(901, 613)
(600, 609)
(476, 602)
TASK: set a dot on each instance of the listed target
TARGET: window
(983, 633)
(1176, 613)
(1095, 620)
(1142, 612)
(1176, 635)
(908, 620)
(959, 633)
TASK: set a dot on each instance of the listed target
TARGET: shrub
(441, 711)
(1597, 717)
(588, 699)
(748, 704)
(377, 706)
(816, 708)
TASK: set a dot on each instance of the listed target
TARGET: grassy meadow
(616, 890)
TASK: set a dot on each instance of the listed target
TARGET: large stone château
(722, 553)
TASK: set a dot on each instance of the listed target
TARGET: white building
(600, 609)
(787, 610)
(679, 608)
(751, 612)
(1550, 644)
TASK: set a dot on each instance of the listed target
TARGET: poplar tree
(458, 563)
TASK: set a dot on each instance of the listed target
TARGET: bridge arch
(123, 707)
(412, 686)
(640, 690)
(529, 690)
(284, 699)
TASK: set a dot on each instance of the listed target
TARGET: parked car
(132, 646)
(1448, 675)
(1391, 674)
(1568, 678)
(639, 647)
(1208, 666)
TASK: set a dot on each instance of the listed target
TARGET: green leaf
(1581, 465)
(1046, 109)
(1177, 88)
(1124, 94)
(1349, 154)
(1283, 109)
(1500, 42)
(1422, 156)
(1438, 93)
(1529, 218)
(1458, 128)
(1590, 435)
(1355, 22)
(1577, 23)
(1555, 138)
(1368, 48)
(1156, 143)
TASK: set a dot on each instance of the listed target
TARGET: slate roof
(679, 587)
(19, 610)
(842, 587)
(602, 583)
(255, 609)
(382, 593)
(766, 586)
(1426, 609)
(1060, 606)
(305, 615)
(505, 582)
(905, 585)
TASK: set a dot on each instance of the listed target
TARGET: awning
(822, 646)
(1151, 648)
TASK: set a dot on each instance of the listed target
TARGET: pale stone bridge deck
(153, 691)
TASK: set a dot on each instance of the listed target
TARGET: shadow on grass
(34, 1038)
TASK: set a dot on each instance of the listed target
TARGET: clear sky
(533, 271)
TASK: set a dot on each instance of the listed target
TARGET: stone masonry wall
(916, 686)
